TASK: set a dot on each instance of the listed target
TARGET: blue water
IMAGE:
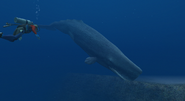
(149, 32)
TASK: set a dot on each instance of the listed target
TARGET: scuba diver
(25, 26)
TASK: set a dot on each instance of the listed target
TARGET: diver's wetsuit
(12, 38)
(18, 33)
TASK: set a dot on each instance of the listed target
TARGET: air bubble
(37, 9)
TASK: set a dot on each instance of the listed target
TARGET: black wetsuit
(17, 33)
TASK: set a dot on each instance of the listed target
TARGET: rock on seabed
(89, 87)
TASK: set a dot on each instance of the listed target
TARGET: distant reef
(89, 87)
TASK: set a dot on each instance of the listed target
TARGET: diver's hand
(38, 37)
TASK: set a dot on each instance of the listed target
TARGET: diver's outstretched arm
(49, 27)
(9, 24)
(12, 38)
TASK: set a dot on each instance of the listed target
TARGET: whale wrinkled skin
(99, 48)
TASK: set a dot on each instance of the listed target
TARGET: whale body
(99, 48)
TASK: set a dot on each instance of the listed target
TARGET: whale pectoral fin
(115, 71)
(90, 60)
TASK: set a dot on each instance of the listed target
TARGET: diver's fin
(20, 38)
(90, 60)
(117, 73)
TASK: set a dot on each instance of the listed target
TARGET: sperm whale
(99, 48)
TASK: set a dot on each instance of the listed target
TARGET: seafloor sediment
(87, 87)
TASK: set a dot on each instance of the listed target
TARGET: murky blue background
(150, 32)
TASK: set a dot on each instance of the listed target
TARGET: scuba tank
(22, 21)
(19, 21)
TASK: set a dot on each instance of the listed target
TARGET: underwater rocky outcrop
(89, 87)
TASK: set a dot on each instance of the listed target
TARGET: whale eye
(110, 59)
